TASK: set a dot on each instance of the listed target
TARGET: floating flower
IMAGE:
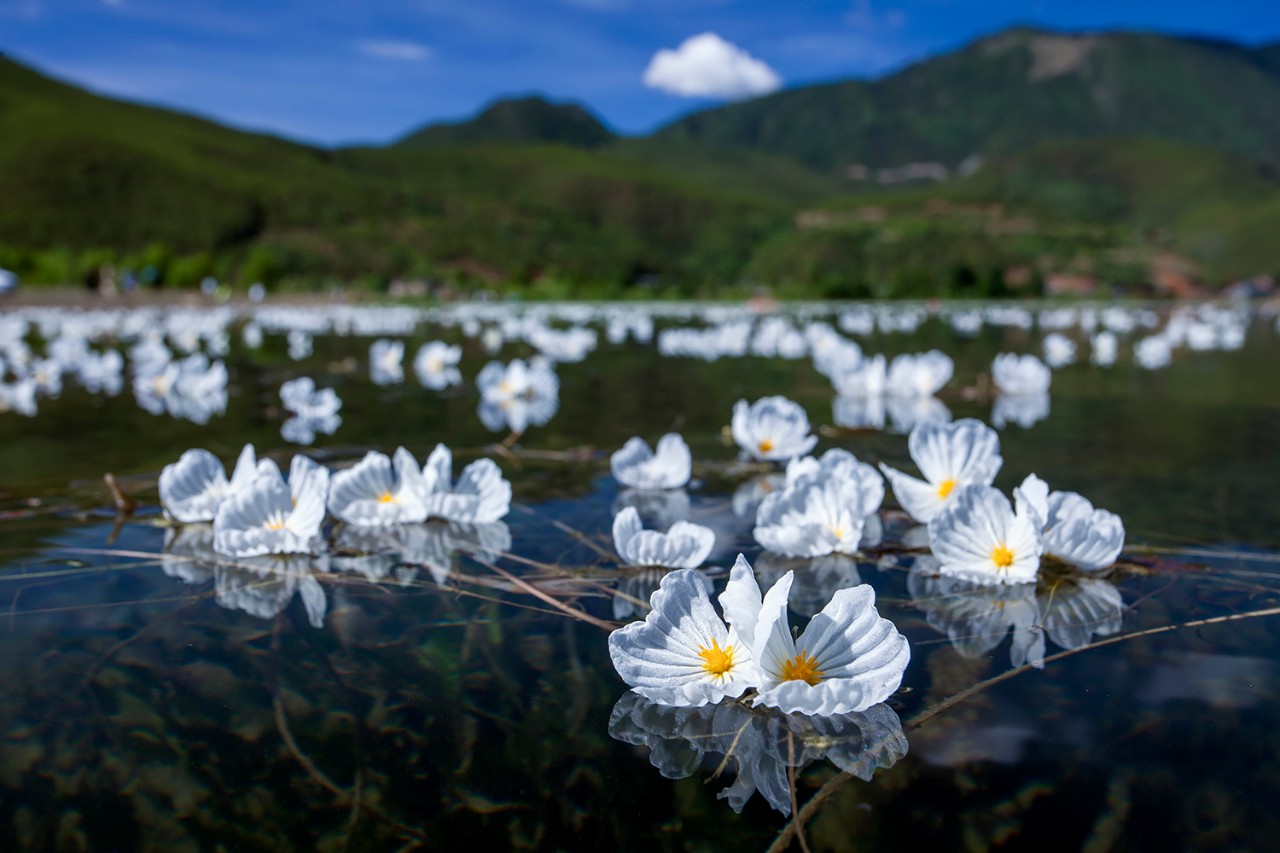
(192, 489)
(824, 508)
(1059, 350)
(268, 517)
(1074, 532)
(301, 397)
(683, 653)
(480, 496)
(684, 546)
(919, 374)
(517, 396)
(865, 378)
(385, 357)
(1020, 374)
(979, 537)
(949, 456)
(847, 659)
(772, 429)
(378, 491)
(669, 467)
(436, 365)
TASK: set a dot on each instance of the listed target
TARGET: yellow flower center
(838, 532)
(945, 487)
(765, 445)
(716, 660)
(802, 667)
(386, 498)
(1002, 557)
(275, 523)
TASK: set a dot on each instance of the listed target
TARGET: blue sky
(342, 71)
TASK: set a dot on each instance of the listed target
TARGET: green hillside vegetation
(1107, 156)
(527, 119)
(1010, 91)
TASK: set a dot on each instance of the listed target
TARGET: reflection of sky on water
(1221, 681)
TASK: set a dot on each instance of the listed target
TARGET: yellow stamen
(802, 667)
(837, 532)
(275, 523)
(945, 487)
(716, 660)
(765, 445)
(386, 498)
(1002, 557)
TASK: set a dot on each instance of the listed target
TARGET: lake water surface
(450, 686)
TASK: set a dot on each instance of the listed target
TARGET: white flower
(949, 456)
(267, 517)
(684, 546)
(858, 412)
(824, 508)
(376, 492)
(918, 375)
(864, 378)
(481, 495)
(1059, 350)
(301, 397)
(1020, 374)
(1073, 530)
(638, 467)
(979, 537)
(847, 659)
(193, 488)
(517, 396)
(1104, 348)
(436, 365)
(772, 429)
(683, 653)
(385, 359)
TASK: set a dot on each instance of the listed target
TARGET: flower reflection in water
(763, 743)
(401, 549)
(264, 586)
(1067, 607)
(658, 509)
(816, 579)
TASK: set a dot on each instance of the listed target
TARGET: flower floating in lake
(847, 659)
(683, 653)
(270, 517)
(667, 467)
(949, 456)
(1020, 375)
(684, 546)
(192, 489)
(379, 491)
(918, 375)
(1073, 531)
(480, 496)
(517, 396)
(772, 429)
(1059, 350)
(822, 509)
(314, 411)
(979, 537)
(385, 362)
(436, 365)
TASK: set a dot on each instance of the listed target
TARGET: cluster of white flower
(258, 512)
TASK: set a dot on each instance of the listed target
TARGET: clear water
(155, 698)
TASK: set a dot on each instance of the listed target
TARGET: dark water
(157, 698)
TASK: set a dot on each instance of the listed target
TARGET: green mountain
(1007, 92)
(1113, 155)
(529, 119)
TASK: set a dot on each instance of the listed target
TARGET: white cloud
(403, 51)
(708, 66)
